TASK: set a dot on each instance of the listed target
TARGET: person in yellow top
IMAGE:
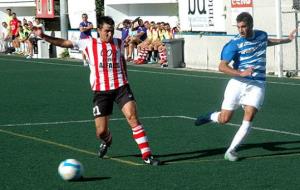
(168, 34)
(21, 40)
(162, 50)
(155, 41)
(161, 30)
(149, 44)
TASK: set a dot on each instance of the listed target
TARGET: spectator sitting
(28, 30)
(144, 48)
(23, 36)
(19, 40)
(162, 50)
(141, 35)
(30, 25)
(6, 38)
(124, 27)
(156, 42)
(24, 21)
(175, 30)
(32, 41)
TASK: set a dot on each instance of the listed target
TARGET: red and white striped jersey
(105, 62)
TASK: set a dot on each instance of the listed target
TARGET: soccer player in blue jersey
(247, 50)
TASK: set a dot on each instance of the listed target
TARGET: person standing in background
(85, 28)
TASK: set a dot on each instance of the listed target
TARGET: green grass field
(46, 117)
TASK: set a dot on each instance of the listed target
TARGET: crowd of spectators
(148, 38)
(143, 40)
(17, 37)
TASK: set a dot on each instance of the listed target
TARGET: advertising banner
(239, 6)
(45, 8)
(202, 15)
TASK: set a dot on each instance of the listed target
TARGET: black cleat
(102, 150)
(203, 119)
(152, 161)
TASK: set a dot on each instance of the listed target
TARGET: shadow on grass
(197, 154)
(273, 147)
(87, 179)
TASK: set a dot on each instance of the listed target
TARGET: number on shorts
(96, 111)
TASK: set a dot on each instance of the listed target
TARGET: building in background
(23, 8)
(150, 10)
(206, 25)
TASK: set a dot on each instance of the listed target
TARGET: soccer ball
(70, 169)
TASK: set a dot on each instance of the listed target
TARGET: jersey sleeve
(229, 51)
(81, 24)
(80, 44)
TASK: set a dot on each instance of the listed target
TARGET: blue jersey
(142, 29)
(85, 34)
(125, 33)
(248, 52)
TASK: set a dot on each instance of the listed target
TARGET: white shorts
(240, 92)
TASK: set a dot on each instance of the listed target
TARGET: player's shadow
(276, 148)
(272, 147)
(191, 155)
(87, 179)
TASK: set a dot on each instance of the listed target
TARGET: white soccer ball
(70, 169)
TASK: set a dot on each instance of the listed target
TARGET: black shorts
(33, 40)
(103, 100)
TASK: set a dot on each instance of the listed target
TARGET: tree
(100, 7)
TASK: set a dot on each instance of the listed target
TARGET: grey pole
(279, 54)
(296, 42)
(64, 18)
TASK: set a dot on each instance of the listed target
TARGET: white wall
(17, 3)
(76, 9)
(25, 12)
(166, 11)
(203, 52)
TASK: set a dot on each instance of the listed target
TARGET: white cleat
(231, 156)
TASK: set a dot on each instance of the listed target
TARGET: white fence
(203, 52)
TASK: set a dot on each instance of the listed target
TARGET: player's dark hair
(84, 14)
(8, 9)
(246, 18)
(101, 20)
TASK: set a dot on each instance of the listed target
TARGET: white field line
(67, 147)
(150, 117)
(151, 72)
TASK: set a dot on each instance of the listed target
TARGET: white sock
(214, 117)
(240, 135)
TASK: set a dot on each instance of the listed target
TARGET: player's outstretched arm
(53, 40)
(290, 38)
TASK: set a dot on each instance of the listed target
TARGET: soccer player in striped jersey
(247, 50)
(108, 79)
